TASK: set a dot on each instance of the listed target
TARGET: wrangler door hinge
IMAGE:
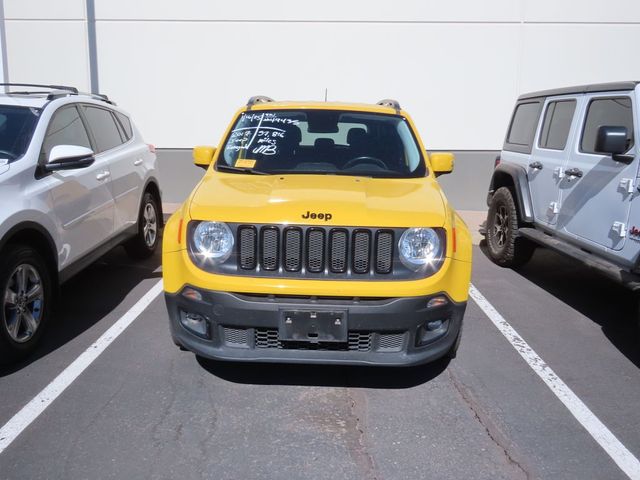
(620, 228)
(626, 185)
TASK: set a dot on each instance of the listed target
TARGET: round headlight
(213, 241)
(419, 247)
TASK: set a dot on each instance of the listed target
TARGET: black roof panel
(596, 87)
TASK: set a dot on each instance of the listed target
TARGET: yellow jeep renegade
(318, 234)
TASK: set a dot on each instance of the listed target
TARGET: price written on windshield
(263, 138)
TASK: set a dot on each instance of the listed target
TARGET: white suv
(76, 179)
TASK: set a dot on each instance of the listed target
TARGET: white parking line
(627, 462)
(21, 420)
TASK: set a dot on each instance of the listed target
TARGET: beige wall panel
(183, 81)
(44, 9)
(572, 11)
(565, 55)
(291, 10)
(48, 52)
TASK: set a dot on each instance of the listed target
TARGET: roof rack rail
(99, 96)
(36, 85)
(388, 102)
(57, 91)
(258, 99)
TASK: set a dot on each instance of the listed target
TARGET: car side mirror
(203, 155)
(613, 141)
(442, 162)
(68, 157)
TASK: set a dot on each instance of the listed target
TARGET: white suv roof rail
(53, 91)
(38, 85)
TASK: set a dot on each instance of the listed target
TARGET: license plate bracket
(313, 326)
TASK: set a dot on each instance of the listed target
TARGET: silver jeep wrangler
(567, 178)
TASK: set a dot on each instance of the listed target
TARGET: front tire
(144, 244)
(505, 247)
(25, 301)
(453, 351)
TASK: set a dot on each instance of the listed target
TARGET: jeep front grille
(315, 250)
(292, 249)
(247, 240)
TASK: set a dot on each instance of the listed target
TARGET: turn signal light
(192, 294)
(438, 301)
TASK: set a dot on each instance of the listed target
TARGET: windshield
(324, 142)
(16, 128)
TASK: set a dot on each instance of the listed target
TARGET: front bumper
(385, 331)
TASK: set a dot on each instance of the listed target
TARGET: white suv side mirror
(69, 157)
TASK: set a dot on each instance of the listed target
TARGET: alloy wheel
(150, 226)
(23, 303)
(501, 226)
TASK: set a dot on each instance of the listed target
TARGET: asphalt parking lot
(145, 409)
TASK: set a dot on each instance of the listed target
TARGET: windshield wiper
(250, 171)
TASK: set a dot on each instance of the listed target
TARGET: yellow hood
(349, 201)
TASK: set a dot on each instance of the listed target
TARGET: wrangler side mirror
(613, 141)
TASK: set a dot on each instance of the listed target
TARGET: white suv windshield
(323, 141)
(16, 128)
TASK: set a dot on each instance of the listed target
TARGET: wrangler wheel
(505, 247)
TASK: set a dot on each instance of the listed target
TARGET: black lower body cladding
(400, 331)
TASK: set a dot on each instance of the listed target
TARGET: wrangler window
(557, 124)
(523, 127)
(609, 112)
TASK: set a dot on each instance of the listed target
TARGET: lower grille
(360, 341)
(391, 342)
(267, 338)
(357, 342)
(235, 336)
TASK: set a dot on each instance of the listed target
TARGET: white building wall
(182, 68)
(46, 42)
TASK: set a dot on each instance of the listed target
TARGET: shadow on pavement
(606, 303)
(88, 297)
(324, 375)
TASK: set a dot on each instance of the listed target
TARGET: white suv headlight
(420, 248)
(213, 241)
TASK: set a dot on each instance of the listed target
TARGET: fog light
(195, 323)
(437, 302)
(431, 331)
(192, 294)
(434, 325)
